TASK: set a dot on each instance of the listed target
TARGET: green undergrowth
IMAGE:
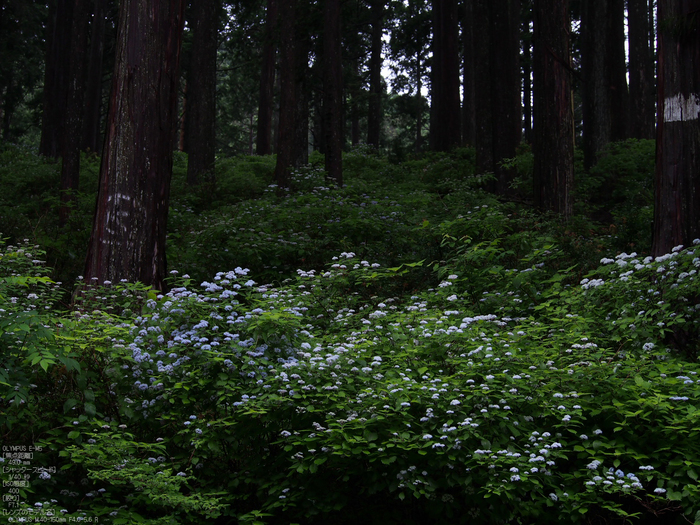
(407, 349)
(339, 396)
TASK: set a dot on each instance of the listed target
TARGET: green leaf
(90, 409)
(70, 403)
(674, 496)
(640, 381)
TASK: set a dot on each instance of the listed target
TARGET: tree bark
(418, 145)
(71, 136)
(374, 116)
(505, 85)
(677, 185)
(300, 152)
(92, 130)
(288, 102)
(445, 128)
(641, 71)
(201, 94)
(267, 82)
(605, 98)
(58, 39)
(553, 146)
(597, 108)
(355, 88)
(333, 91)
(482, 87)
(526, 33)
(619, 95)
(129, 229)
(468, 76)
(498, 94)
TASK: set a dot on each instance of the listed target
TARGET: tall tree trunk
(300, 153)
(468, 76)
(288, 100)
(181, 125)
(526, 33)
(553, 146)
(93, 92)
(73, 118)
(619, 95)
(677, 188)
(483, 87)
(58, 39)
(251, 134)
(333, 91)
(597, 104)
(318, 129)
(128, 234)
(374, 116)
(267, 82)
(605, 97)
(641, 71)
(505, 85)
(3, 112)
(355, 96)
(418, 146)
(445, 129)
(498, 95)
(201, 94)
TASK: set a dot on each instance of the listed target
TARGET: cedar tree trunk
(374, 116)
(93, 92)
(597, 108)
(201, 94)
(128, 234)
(333, 91)
(288, 102)
(619, 96)
(553, 146)
(497, 100)
(267, 82)
(302, 47)
(58, 38)
(482, 87)
(605, 98)
(468, 76)
(445, 128)
(641, 71)
(677, 188)
(72, 132)
(526, 34)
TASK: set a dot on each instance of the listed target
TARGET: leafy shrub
(462, 360)
(622, 190)
(29, 203)
(335, 397)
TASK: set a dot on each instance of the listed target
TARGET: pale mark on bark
(681, 109)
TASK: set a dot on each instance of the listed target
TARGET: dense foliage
(422, 353)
